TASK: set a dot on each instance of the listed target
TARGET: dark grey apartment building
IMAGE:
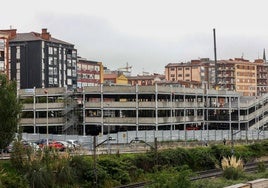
(41, 61)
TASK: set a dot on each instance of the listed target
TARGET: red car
(52, 145)
(56, 145)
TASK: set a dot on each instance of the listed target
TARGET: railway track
(213, 173)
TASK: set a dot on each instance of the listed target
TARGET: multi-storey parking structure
(121, 108)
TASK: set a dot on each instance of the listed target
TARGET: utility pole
(94, 161)
(215, 59)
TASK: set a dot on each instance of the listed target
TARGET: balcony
(52, 121)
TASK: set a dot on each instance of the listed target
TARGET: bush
(12, 180)
(261, 166)
(232, 173)
(175, 157)
(202, 159)
(144, 162)
(115, 169)
(170, 177)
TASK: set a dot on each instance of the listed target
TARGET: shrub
(115, 169)
(170, 177)
(232, 167)
(174, 157)
(231, 173)
(261, 166)
(202, 159)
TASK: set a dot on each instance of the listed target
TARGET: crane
(126, 69)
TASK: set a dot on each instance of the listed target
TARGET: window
(55, 72)
(69, 62)
(74, 53)
(50, 80)
(55, 61)
(50, 60)
(74, 72)
(50, 72)
(69, 82)
(18, 52)
(78, 67)
(50, 50)
(69, 72)
(55, 50)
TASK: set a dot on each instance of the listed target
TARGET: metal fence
(127, 137)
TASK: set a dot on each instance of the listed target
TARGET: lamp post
(46, 92)
(95, 145)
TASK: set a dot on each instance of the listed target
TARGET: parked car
(56, 145)
(67, 145)
(76, 144)
(33, 145)
(26, 144)
(9, 148)
(42, 142)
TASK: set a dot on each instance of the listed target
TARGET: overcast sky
(146, 34)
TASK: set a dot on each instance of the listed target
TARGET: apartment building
(4, 52)
(238, 75)
(146, 80)
(114, 78)
(199, 72)
(39, 60)
(262, 76)
(89, 73)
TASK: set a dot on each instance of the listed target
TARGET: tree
(10, 108)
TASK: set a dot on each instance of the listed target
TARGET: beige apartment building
(238, 75)
(183, 71)
(262, 76)
(243, 76)
(199, 72)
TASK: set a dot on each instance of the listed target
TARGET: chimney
(45, 35)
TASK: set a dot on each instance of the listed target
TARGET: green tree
(9, 111)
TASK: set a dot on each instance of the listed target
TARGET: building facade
(4, 51)
(89, 73)
(123, 107)
(196, 72)
(262, 76)
(114, 78)
(238, 75)
(146, 80)
(39, 60)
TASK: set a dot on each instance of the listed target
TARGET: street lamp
(154, 148)
(95, 145)
(46, 92)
